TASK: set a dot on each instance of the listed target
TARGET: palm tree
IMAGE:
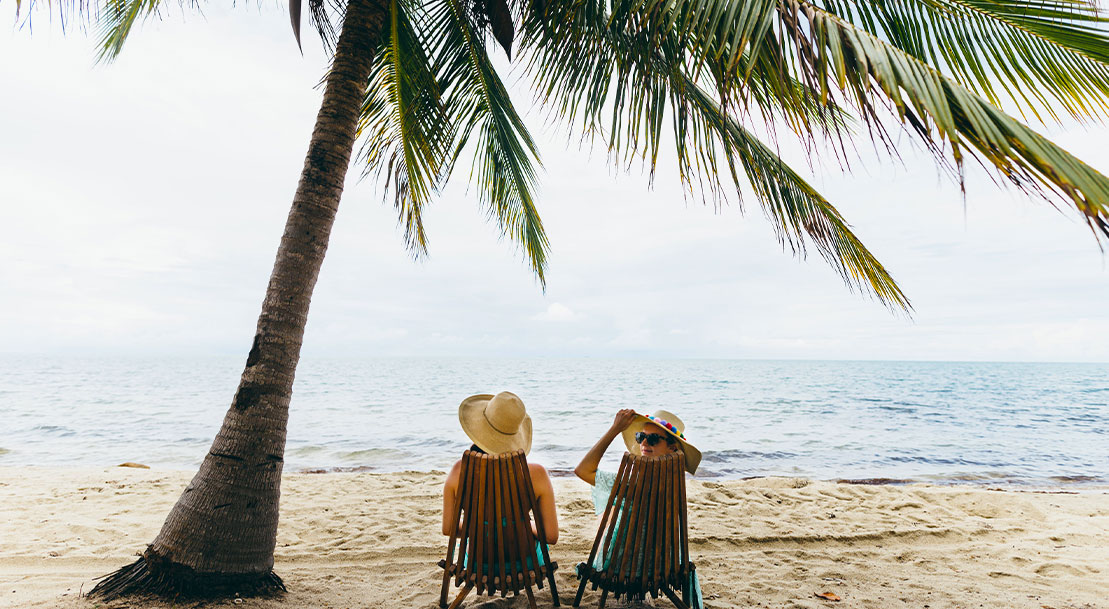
(414, 79)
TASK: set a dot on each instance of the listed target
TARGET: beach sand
(371, 540)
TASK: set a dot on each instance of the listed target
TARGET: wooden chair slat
(531, 598)
(516, 538)
(528, 494)
(679, 481)
(683, 528)
(519, 472)
(610, 555)
(472, 500)
(543, 549)
(683, 531)
(499, 525)
(644, 527)
(492, 525)
(616, 504)
(658, 558)
(448, 570)
(671, 527)
(519, 537)
(630, 525)
(650, 543)
(672, 520)
(638, 546)
(477, 542)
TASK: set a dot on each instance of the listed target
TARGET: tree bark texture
(225, 523)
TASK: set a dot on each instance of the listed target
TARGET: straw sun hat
(671, 424)
(496, 423)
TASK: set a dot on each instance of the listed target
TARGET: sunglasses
(651, 438)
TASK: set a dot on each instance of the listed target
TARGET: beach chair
(496, 552)
(643, 536)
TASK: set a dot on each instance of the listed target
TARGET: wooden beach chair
(643, 535)
(496, 549)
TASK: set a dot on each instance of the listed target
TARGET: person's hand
(623, 419)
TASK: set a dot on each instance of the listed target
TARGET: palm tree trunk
(220, 536)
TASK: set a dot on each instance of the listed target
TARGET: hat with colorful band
(671, 424)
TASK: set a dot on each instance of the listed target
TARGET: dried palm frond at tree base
(157, 575)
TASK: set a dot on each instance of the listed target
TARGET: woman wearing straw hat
(499, 424)
(650, 435)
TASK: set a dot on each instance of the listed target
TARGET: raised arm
(587, 469)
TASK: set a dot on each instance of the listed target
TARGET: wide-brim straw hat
(671, 424)
(496, 423)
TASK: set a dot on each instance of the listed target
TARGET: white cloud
(556, 312)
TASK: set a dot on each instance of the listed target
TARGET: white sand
(371, 540)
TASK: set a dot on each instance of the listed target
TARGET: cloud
(556, 312)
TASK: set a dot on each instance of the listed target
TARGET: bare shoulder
(538, 473)
(454, 474)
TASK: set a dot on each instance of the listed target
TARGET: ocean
(998, 424)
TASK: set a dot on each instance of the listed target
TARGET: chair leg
(581, 590)
(674, 598)
(554, 589)
(446, 586)
(531, 597)
(462, 595)
(604, 597)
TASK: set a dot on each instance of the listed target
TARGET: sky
(143, 202)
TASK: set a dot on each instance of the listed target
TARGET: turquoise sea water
(991, 423)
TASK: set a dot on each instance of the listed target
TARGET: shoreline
(350, 539)
(1077, 484)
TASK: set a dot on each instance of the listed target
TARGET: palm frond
(117, 19)
(478, 104)
(294, 19)
(326, 17)
(624, 84)
(404, 127)
(85, 11)
(1034, 53)
(871, 71)
(796, 209)
(610, 79)
(830, 55)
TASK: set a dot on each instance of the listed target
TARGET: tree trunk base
(155, 575)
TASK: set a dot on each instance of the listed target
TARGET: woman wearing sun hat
(650, 435)
(500, 424)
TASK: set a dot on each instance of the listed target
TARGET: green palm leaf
(479, 107)
(830, 55)
(623, 83)
(796, 209)
(116, 20)
(1036, 52)
(595, 72)
(405, 132)
(939, 109)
